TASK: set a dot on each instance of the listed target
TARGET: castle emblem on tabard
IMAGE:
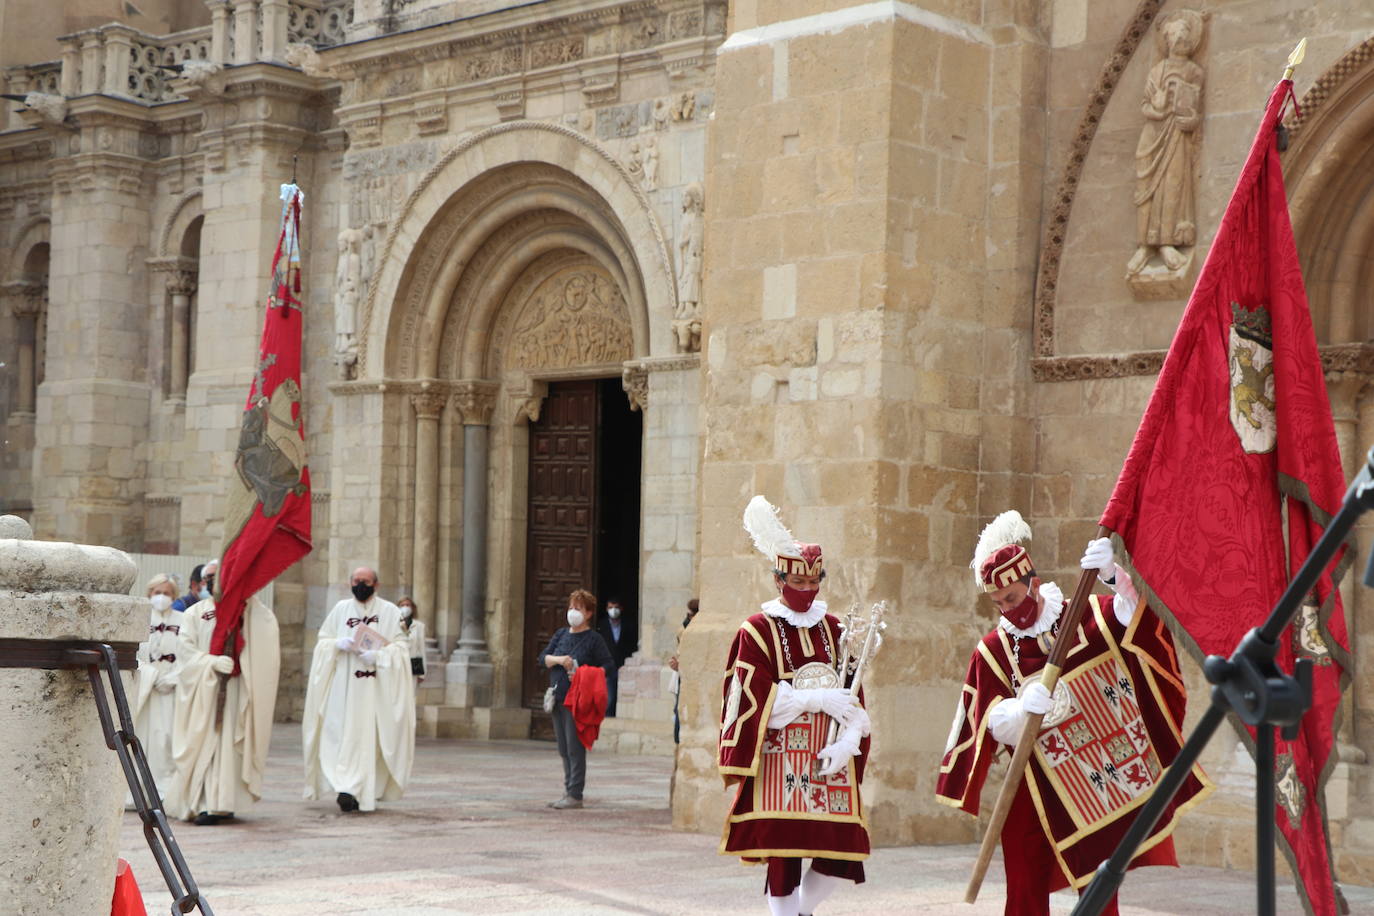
(1250, 358)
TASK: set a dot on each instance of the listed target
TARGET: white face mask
(613, 613)
(575, 617)
(160, 603)
(204, 593)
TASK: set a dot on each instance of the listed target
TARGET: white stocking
(783, 906)
(815, 887)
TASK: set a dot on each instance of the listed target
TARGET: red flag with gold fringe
(267, 521)
(1237, 432)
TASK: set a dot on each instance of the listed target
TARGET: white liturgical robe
(359, 724)
(219, 770)
(155, 684)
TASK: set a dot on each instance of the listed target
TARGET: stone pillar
(90, 63)
(274, 16)
(181, 286)
(219, 30)
(64, 789)
(469, 673)
(428, 404)
(1360, 618)
(119, 48)
(245, 31)
(26, 302)
(70, 84)
(1344, 389)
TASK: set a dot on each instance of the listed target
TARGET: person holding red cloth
(796, 789)
(1112, 725)
(574, 646)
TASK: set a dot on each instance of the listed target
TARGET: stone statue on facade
(348, 285)
(691, 233)
(650, 167)
(1166, 156)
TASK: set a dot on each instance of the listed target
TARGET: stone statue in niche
(650, 167)
(348, 285)
(1166, 160)
(691, 231)
(634, 163)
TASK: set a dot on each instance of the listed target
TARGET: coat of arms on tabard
(1251, 364)
(1288, 787)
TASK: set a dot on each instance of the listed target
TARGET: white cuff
(1127, 598)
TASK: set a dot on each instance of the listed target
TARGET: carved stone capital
(634, 378)
(475, 402)
(529, 401)
(428, 402)
(1344, 386)
(182, 283)
(25, 299)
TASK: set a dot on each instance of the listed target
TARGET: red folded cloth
(587, 700)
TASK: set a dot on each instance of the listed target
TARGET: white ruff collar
(1049, 613)
(776, 608)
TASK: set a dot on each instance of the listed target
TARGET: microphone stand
(1251, 684)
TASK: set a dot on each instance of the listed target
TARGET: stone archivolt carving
(685, 105)
(424, 273)
(576, 317)
(687, 316)
(1166, 160)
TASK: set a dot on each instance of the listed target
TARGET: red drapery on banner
(1238, 430)
(267, 522)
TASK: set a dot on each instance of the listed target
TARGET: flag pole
(1049, 676)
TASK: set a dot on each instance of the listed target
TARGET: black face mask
(688, 619)
(362, 591)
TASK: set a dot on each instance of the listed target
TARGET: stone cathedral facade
(582, 276)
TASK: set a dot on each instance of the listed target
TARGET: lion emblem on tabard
(1250, 363)
(270, 458)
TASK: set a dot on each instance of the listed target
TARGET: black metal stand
(1263, 696)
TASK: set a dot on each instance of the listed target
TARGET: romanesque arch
(502, 197)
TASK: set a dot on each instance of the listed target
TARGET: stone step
(481, 723)
(636, 736)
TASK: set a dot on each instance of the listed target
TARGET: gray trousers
(571, 750)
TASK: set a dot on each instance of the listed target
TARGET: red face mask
(797, 599)
(1025, 613)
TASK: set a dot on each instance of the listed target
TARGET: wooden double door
(583, 515)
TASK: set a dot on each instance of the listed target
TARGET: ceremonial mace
(847, 665)
(1049, 676)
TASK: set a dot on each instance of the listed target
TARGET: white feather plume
(1007, 528)
(770, 535)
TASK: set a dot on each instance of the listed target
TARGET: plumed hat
(999, 559)
(773, 540)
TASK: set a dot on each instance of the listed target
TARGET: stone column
(428, 403)
(245, 31)
(1343, 389)
(274, 15)
(219, 30)
(71, 69)
(90, 63)
(26, 302)
(119, 46)
(68, 822)
(181, 286)
(469, 674)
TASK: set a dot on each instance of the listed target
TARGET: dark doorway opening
(583, 516)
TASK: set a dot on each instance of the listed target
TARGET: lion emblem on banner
(1250, 357)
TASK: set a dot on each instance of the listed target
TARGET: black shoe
(206, 819)
(347, 802)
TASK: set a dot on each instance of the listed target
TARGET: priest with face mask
(359, 721)
(796, 788)
(1110, 728)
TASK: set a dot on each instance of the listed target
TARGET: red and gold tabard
(782, 806)
(1115, 725)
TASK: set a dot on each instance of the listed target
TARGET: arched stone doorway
(525, 266)
(1329, 169)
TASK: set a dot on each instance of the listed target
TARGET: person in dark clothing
(202, 585)
(622, 638)
(677, 675)
(576, 644)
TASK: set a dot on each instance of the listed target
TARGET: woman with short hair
(576, 644)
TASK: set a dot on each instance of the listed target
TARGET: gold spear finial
(1295, 58)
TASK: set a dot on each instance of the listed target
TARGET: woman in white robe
(155, 682)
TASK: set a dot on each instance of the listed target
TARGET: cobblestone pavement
(473, 835)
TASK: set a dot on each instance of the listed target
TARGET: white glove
(1036, 700)
(344, 643)
(835, 702)
(1100, 556)
(368, 656)
(166, 683)
(837, 755)
(858, 719)
(223, 664)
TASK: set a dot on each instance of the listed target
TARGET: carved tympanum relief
(1166, 162)
(576, 317)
